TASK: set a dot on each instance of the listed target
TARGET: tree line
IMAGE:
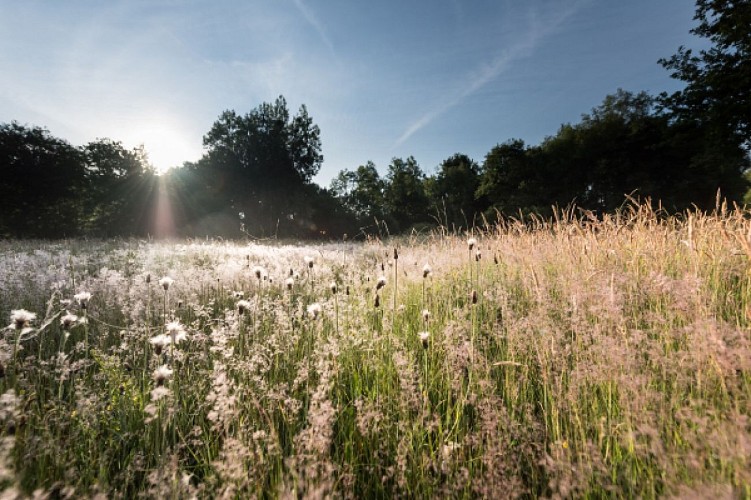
(255, 177)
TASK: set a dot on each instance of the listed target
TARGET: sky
(382, 79)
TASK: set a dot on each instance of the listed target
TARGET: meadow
(576, 357)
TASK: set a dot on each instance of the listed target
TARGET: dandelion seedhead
(314, 310)
(21, 318)
(161, 375)
(166, 282)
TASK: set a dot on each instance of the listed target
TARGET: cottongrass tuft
(68, 321)
(314, 310)
(242, 306)
(166, 283)
(471, 242)
(82, 298)
(424, 338)
(176, 331)
(381, 282)
(161, 375)
(426, 270)
(332, 287)
(160, 342)
(425, 315)
(309, 261)
(289, 282)
(21, 318)
(259, 272)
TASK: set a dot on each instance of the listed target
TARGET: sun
(167, 147)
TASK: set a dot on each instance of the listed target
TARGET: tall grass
(587, 358)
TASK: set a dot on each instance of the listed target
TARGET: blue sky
(382, 79)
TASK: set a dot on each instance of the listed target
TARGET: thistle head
(161, 375)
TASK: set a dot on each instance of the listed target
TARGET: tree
(259, 163)
(404, 195)
(362, 193)
(43, 184)
(718, 80)
(120, 184)
(452, 191)
(509, 181)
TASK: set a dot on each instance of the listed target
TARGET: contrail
(311, 18)
(489, 72)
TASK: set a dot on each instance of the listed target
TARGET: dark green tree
(452, 192)
(718, 79)
(362, 193)
(120, 185)
(260, 162)
(43, 186)
(404, 195)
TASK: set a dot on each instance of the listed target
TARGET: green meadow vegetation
(569, 357)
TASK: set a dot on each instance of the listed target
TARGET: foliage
(718, 79)
(588, 359)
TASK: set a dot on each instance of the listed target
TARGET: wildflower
(290, 282)
(161, 375)
(242, 306)
(314, 310)
(21, 318)
(160, 342)
(425, 315)
(259, 272)
(478, 255)
(471, 243)
(424, 338)
(166, 282)
(448, 449)
(426, 270)
(176, 331)
(308, 261)
(381, 282)
(159, 393)
(332, 286)
(83, 299)
(68, 321)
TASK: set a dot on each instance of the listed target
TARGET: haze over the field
(381, 79)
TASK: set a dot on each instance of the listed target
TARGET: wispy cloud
(311, 18)
(538, 30)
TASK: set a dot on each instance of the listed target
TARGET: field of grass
(571, 358)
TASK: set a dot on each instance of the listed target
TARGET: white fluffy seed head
(166, 282)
